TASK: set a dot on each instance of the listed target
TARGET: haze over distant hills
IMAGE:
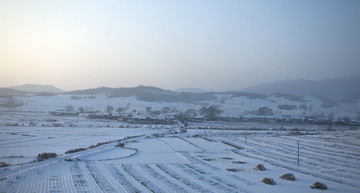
(35, 88)
(345, 89)
(192, 90)
(147, 93)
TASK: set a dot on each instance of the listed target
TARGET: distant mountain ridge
(154, 94)
(36, 88)
(345, 89)
(147, 93)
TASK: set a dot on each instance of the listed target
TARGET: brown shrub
(260, 167)
(290, 177)
(3, 164)
(318, 185)
(97, 145)
(120, 144)
(46, 155)
(75, 150)
(269, 181)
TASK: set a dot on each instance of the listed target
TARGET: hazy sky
(213, 45)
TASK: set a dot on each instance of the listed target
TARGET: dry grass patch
(46, 155)
(290, 177)
(239, 162)
(269, 181)
(260, 167)
(120, 144)
(318, 185)
(75, 150)
(227, 158)
(233, 170)
(3, 164)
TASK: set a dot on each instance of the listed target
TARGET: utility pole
(245, 137)
(222, 129)
(298, 152)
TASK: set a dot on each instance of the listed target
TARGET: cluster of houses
(139, 118)
(142, 117)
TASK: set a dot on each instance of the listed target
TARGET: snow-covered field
(158, 158)
(182, 163)
(231, 106)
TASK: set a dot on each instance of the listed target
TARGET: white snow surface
(215, 163)
(157, 158)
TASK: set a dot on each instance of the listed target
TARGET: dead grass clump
(269, 181)
(101, 143)
(260, 167)
(318, 185)
(75, 150)
(290, 177)
(46, 155)
(232, 145)
(297, 133)
(57, 125)
(97, 145)
(120, 144)
(71, 159)
(3, 164)
(353, 128)
(233, 170)
(14, 156)
(239, 162)
(157, 135)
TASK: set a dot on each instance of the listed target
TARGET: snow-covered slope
(211, 163)
(113, 155)
(247, 106)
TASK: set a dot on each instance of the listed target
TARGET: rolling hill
(36, 88)
(345, 89)
(147, 93)
(10, 92)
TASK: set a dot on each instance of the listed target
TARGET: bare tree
(148, 109)
(120, 109)
(190, 113)
(81, 109)
(69, 108)
(331, 116)
(166, 110)
(11, 102)
(211, 112)
(109, 109)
